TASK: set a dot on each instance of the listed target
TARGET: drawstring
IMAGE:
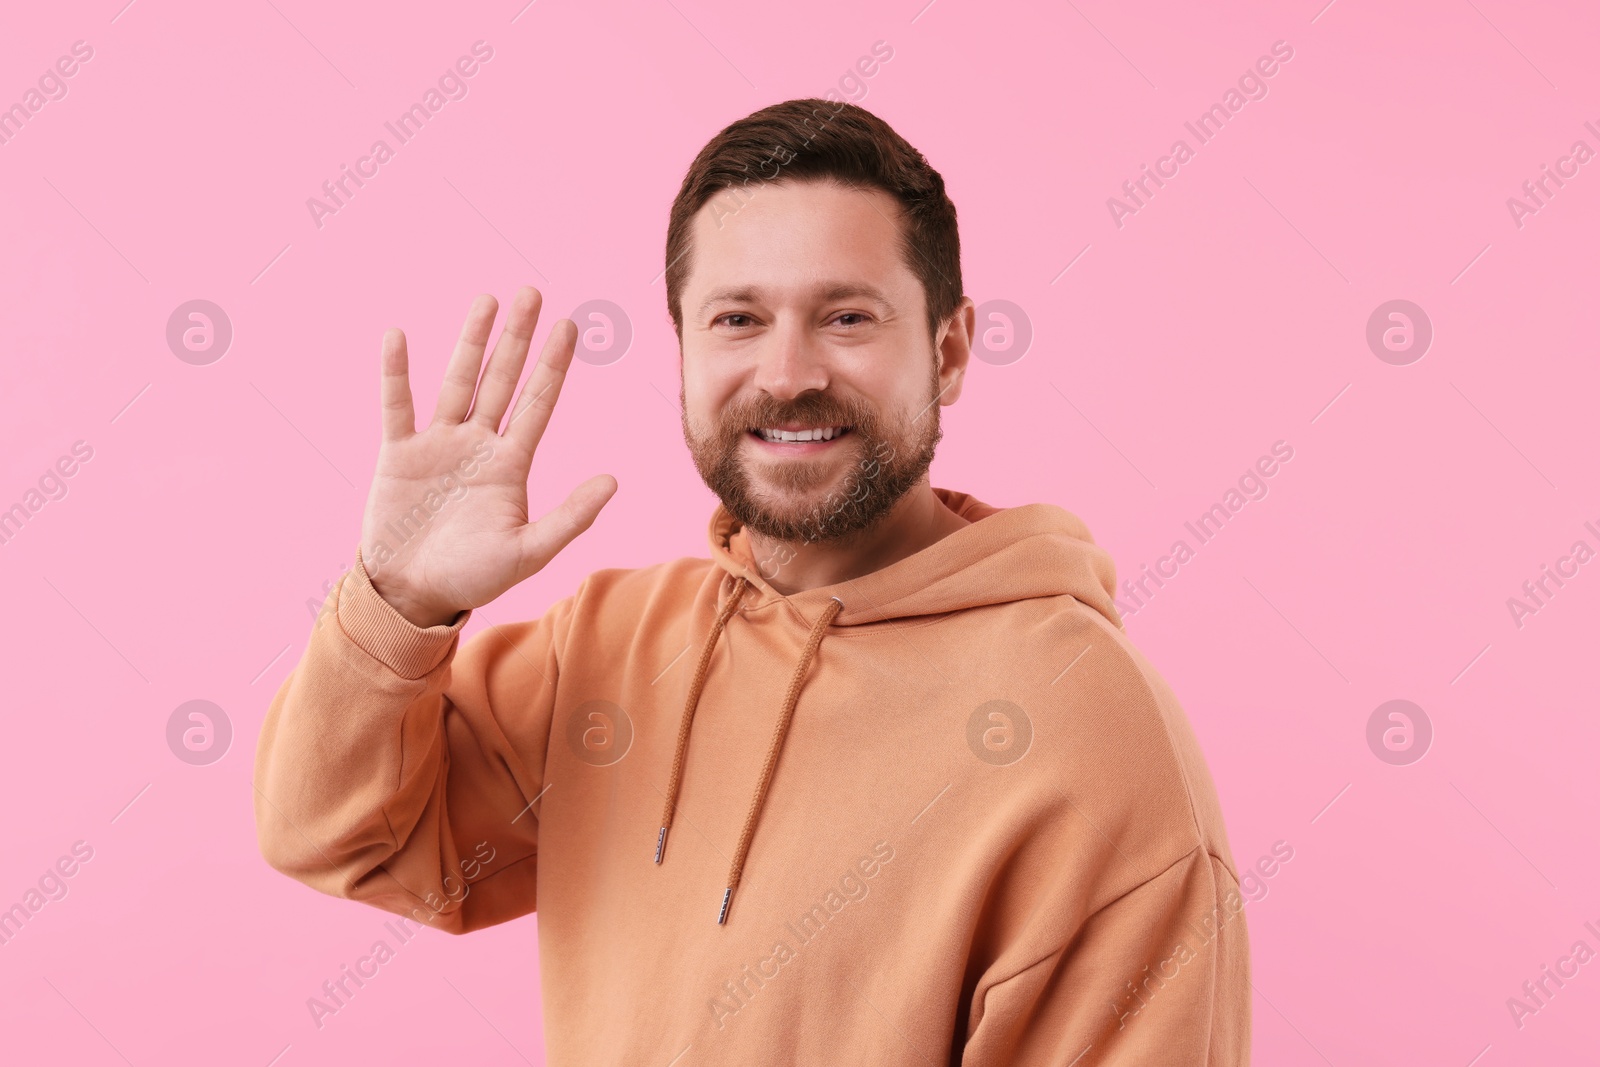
(737, 870)
(739, 587)
(781, 731)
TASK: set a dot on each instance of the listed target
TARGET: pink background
(1227, 314)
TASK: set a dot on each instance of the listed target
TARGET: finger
(461, 375)
(543, 387)
(394, 393)
(505, 366)
(541, 540)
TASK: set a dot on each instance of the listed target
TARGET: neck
(917, 520)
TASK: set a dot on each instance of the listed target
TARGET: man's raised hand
(446, 526)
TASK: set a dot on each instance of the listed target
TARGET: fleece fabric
(942, 813)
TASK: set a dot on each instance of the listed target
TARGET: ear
(954, 349)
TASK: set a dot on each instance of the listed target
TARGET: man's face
(801, 319)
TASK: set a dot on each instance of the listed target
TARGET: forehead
(788, 236)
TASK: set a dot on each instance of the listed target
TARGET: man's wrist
(418, 614)
(379, 629)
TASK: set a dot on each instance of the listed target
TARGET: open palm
(446, 525)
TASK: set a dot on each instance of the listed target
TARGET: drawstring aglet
(727, 895)
(661, 843)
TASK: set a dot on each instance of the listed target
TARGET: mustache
(816, 409)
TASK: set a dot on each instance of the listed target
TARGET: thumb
(541, 539)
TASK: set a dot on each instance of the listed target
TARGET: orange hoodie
(942, 813)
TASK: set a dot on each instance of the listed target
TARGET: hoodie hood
(1003, 555)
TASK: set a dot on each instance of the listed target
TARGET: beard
(803, 500)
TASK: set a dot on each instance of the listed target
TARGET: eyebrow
(826, 291)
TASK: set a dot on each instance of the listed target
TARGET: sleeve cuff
(387, 636)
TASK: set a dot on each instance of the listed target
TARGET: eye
(850, 315)
(733, 315)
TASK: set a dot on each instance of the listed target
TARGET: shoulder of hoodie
(619, 601)
(611, 602)
(642, 588)
(605, 614)
(1122, 737)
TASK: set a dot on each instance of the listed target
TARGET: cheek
(895, 407)
(706, 409)
(697, 393)
(893, 376)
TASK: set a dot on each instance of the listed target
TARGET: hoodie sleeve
(1159, 975)
(395, 771)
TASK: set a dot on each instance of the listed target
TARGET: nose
(790, 360)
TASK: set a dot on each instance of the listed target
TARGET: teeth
(825, 433)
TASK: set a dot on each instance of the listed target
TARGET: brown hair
(812, 139)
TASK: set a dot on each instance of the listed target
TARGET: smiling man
(882, 780)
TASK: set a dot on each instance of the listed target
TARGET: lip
(796, 448)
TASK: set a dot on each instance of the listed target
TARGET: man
(882, 781)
